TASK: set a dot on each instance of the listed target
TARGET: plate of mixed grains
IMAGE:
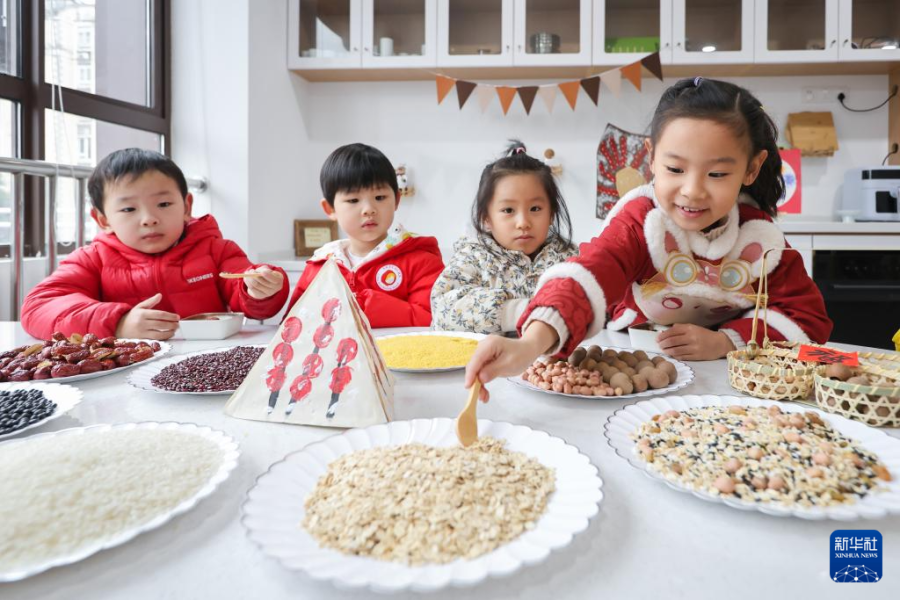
(778, 458)
(612, 372)
(428, 351)
(209, 372)
(402, 506)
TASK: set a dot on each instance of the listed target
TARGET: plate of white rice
(71, 493)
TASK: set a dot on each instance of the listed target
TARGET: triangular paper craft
(527, 94)
(444, 85)
(570, 91)
(632, 73)
(613, 80)
(591, 86)
(322, 367)
(506, 95)
(651, 61)
(464, 89)
(548, 95)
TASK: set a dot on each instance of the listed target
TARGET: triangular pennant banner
(632, 73)
(444, 85)
(613, 80)
(548, 95)
(570, 91)
(506, 95)
(527, 94)
(485, 94)
(591, 86)
(651, 61)
(464, 89)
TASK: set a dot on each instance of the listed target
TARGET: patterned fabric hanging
(623, 163)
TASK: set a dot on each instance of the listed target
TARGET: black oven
(862, 294)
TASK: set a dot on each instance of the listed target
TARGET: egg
(838, 371)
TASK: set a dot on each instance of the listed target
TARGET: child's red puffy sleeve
(232, 259)
(69, 300)
(572, 297)
(796, 308)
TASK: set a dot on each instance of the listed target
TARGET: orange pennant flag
(570, 91)
(444, 85)
(506, 95)
(632, 73)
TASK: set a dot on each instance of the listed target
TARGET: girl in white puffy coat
(522, 228)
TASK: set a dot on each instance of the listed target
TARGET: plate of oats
(402, 506)
(777, 458)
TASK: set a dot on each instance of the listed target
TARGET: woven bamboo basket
(773, 371)
(877, 404)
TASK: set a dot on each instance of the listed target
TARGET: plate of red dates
(77, 357)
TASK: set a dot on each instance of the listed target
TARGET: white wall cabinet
(324, 34)
(399, 33)
(474, 33)
(869, 30)
(552, 32)
(628, 30)
(422, 34)
(712, 32)
(792, 31)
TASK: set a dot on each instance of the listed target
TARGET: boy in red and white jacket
(153, 263)
(390, 270)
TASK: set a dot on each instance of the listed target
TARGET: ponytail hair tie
(517, 150)
(697, 81)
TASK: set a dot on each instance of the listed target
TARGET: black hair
(738, 109)
(132, 163)
(356, 167)
(516, 161)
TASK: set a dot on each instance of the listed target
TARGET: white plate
(142, 378)
(626, 421)
(66, 398)
(684, 372)
(274, 508)
(460, 334)
(230, 455)
(164, 348)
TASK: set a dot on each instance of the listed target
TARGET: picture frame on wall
(311, 235)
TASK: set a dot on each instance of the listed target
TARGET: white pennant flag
(548, 95)
(612, 79)
(485, 94)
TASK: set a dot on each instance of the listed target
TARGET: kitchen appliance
(544, 43)
(861, 289)
(872, 193)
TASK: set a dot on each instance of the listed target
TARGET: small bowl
(643, 337)
(211, 326)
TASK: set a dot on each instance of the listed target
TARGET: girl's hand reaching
(498, 356)
(692, 342)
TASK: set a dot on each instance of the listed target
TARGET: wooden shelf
(524, 73)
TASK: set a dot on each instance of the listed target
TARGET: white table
(647, 542)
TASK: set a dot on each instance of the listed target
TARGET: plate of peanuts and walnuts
(77, 357)
(592, 371)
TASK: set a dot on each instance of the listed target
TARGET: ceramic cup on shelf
(386, 46)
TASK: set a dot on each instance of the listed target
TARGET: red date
(64, 370)
(42, 373)
(90, 366)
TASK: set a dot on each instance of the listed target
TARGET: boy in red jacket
(391, 271)
(152, 264)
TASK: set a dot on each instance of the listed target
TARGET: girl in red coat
(152, 264)
(685, 251)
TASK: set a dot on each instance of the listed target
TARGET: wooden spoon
(467, 421)
(239, 275)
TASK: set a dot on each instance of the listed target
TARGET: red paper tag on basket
(828, 356)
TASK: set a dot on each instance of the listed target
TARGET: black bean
(22, 407)
(217, 372)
